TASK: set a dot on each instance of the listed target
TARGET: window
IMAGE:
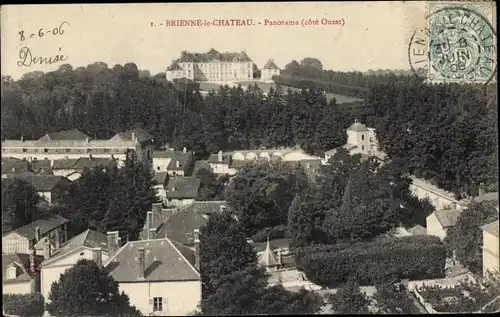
(362, 137)
(25, 150)
(157, 304)
(158, 168)
(11, 272)
(45, 150)
(362, 148)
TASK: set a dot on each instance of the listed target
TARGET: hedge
(414, 258)
(278, 232)
(24, 305)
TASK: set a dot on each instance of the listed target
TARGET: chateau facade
(269, 70)
(211, 67)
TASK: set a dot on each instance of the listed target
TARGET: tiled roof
(358, 127)
(492, 228)
(174, 66)
(417, 230)
(161, 178)
(447, 218)
(165, 260)
(112, 143)
(12, 165)
(175, 156)
(268, 258)
(213, 55)
(181, 224)
(88, 238)
(81, 163)
(38, 165)
(433, 188)
(182, 187)
(198, 165)
(45, 224)
(42, 183)
(270, 65)
(64, 135)
(141, 135)
(22, 261)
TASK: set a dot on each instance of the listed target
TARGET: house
(161, 180)
(177, 163)
(439, 221)
(49, 187)
(72, 144)
(21, 273)
(181, 225)
(155, 220)
(90, 244)
(360, 140)
(23, 239)
(159, 276)
(73, 168)
(269, 70)
(201, 164)
(12, 165)
(41, 167)
(439, 198)
(221, 164)
(491, 256)
(181, 190)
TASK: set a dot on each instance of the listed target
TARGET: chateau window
(45, 150)
(362, 148)
(25, 150)
(157, 304)
(68, 150)
(362, 137)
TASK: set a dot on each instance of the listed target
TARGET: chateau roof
(213, 55)
(81, 163)
(270, 65)
(358, 127)
(64, 135)
(174, 66)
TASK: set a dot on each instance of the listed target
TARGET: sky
(375, 35)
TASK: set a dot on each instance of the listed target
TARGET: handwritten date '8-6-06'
(44, 31)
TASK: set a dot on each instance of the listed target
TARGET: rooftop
(426, 185)
(41, 183)
(165, 260)
(11, 165)
(88, 238)
(198, 165)
(161, 178)
(492, 228)
(358, 127)
(212, 56)
(447, 218)
(64, 135)
(45, 224)
(175, 156)
(22, 262)
(270, 65)
(182, 187)
(81, 163)
(268, 258)
(180, 225)
(140, 134)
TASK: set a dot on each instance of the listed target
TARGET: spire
(268, 258)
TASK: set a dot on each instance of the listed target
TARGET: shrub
(415, 257)
(24, 305)
(278, 232)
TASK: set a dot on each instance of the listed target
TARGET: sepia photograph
(249, 158)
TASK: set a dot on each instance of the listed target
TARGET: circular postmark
(457, 46)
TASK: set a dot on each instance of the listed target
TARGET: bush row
(278, 232)
(24, 305)
(414, 258)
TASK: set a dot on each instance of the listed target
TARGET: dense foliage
(232, 282)
(414, 257)
(19, 204)
(88, 288)
(261, 194)
(109, 199)
(393, 299)
(23, 305)
(277, 232)
(349, 299)
(211, 186)
(466, 237)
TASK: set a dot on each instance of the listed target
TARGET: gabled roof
(182, 187)
(161, 178)
(268, 258)
(428, 186)
(492, 228)
(88, 238)
(358, 127)
(13, 165)
(213, 55)
(22, 261)
(45, 224)
(39, 165)
(175, 156)
(270, 65)
(417, 230)
(166, 260)
(141, 135)
(180, 225)
(447, 218)
(198, 165)
(173, 67)
(81, 163)
(64, 135)
(42, 183)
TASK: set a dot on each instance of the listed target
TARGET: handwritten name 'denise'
(26, 58)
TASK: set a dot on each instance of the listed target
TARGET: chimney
(133, 137)
(32, 261)
(37, 234)
(87, 140)
(482, 189)
(97, 256)
(47, 249)
(51, 163)
(148, 224)
(219, 156)
(184, 150)
(57, 238)
(152, 233)
(112, 242)
(141, 260)
(22, 137)
(196, 234)
(177, 164)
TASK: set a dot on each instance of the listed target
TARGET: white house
(20, 273)
(159, 276)
(173, 162)
(491, 257)
(438, 222)
(90, 245)
(269, 70)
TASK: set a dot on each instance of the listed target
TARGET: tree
(392, 299)
(211, 186)
(24, 305)
(349, 300)
(19, 204)
(466, 237)
(88, 288)
(310, 62)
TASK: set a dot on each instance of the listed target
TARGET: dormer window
(11, 272)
